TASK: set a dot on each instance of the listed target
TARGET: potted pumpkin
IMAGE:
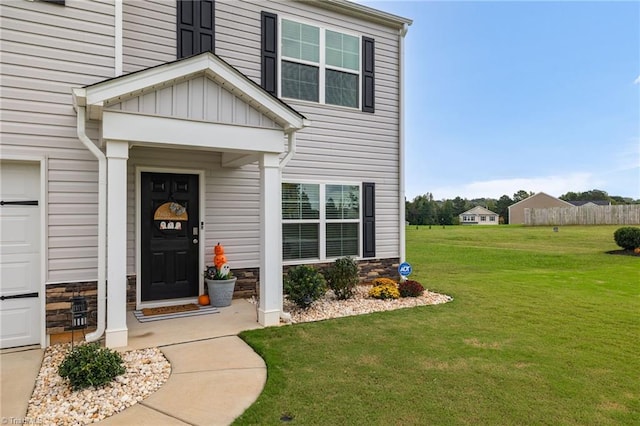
(220, 281)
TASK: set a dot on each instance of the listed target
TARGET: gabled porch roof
(118, 89)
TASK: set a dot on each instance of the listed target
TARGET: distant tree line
(424, 210)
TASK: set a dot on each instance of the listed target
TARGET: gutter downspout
(102, 224)
(118, 35)
(291, 137)
(401, 165)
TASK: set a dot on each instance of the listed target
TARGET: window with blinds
(314, 230)
(342, 213)
(301, 221)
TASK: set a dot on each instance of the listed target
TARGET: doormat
(169, 309)
(170, 312)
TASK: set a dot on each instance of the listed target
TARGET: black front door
(169, 236)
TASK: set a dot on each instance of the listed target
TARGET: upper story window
(312, 63)
(319, 65)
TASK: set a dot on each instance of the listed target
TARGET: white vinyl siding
(149, 34)
(46, 49)
(333, 146)
(342, 144)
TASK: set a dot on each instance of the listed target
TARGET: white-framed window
(492, 218)
(317, 230)
(319, 64)
(300, 221)
(483, 218)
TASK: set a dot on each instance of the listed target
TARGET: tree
(460, 206)
(593, 195)
(491, 204)
(502, 207)
(521, 195)
(445, 214)
(569, 196)
(422, 210)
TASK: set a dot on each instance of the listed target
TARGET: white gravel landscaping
(330, 307)
(54, 403)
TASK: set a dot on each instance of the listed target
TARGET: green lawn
(544, 329)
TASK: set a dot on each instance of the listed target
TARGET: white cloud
(637, 80)
(552, 185)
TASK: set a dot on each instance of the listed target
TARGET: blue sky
(503, 96)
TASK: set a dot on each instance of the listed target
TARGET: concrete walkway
(215, 376)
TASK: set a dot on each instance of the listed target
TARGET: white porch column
(270, 241)
(117, 156)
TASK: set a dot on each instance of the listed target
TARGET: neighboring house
(589, 203)
(478, 216)
(276, 126)
(536, 201)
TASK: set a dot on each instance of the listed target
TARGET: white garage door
(19, 254)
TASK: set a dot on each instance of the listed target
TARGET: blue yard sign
(404, 269)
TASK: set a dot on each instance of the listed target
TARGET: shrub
(387, 290)
(304, 285)
(90, 365)
(628, 237)
(410, 288)
(384, 281)
(342, 277)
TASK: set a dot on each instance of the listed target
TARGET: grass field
(544, 329)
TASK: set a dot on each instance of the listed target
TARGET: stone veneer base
(58, 303)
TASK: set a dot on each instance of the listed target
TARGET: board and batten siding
(46, 49)
(200, 99)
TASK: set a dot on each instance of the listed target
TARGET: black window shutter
(369, 219)
(269, 72)
(368, 80)
(196, 27)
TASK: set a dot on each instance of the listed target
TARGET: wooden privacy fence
(584, 215)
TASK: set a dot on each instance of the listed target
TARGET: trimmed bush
(410, 288)
(91, 365)
(384, 281)
(342, 277)
(304, 285)
(384, 291)
(628, 237)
